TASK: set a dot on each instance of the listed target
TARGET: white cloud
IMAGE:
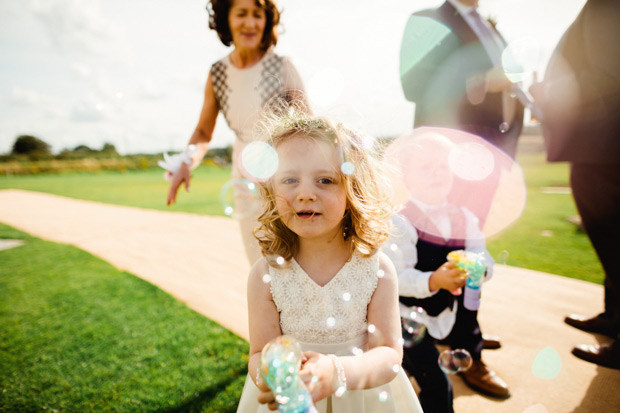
(77, 26)
(26, 97)
(149, 90)
(73, 24)
(89, 111)
(36, 104)
(82, 70)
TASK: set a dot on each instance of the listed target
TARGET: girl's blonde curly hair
(366, 221)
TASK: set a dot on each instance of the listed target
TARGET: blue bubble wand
(280, 363)
(475, 265)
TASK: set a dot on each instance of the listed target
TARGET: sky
(132, 72)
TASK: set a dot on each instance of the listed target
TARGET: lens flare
(259, 160)
(454, 172)
(347, 168)
(471, 161)
(520, 59)
(547, 364)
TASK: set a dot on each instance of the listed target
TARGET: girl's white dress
(332, 320)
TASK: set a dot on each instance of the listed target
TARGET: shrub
(27, 144)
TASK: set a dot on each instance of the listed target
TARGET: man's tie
(491, 41)
(494, 46)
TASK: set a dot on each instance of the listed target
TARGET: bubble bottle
(475, 266)
(280, 363)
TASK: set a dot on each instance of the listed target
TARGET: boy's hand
(448, 277)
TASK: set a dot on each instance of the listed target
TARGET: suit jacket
(582, 89)
(436, 80)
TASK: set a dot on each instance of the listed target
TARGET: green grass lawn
(543, 239)
(143, 189)
(79, 335)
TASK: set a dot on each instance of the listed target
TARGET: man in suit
(451, 68)
(580, 101)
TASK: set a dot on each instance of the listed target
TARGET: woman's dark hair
(218, 21)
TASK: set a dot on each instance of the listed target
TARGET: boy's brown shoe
(480, 378)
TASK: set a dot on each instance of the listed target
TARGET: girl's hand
(182, 175)
(448, 277)
(265, 395)
(319, 375)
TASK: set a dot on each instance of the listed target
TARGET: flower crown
(299, 121)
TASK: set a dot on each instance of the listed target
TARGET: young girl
(322, 279)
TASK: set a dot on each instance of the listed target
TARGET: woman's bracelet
(341, 386)
(188, 154)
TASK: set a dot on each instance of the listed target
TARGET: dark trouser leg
(420, 361)
(466, 332)
(596, 189)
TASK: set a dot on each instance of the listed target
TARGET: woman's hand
(319, 375)
(448, 277)
(183, 174)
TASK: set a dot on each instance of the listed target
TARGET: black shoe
(607, 355)
(596, 324)
(488, 342)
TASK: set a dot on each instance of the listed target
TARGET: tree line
(31, 148)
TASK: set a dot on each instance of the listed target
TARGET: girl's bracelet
(341, 385)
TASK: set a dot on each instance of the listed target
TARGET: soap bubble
(357, 351)
(502, 257)
(454, 361)
(414, 320)
(239, 198)
(503, 127)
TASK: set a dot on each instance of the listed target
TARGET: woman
(239, 85)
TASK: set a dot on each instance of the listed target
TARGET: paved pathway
(200, 260)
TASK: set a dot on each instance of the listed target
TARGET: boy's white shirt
(401, 248)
